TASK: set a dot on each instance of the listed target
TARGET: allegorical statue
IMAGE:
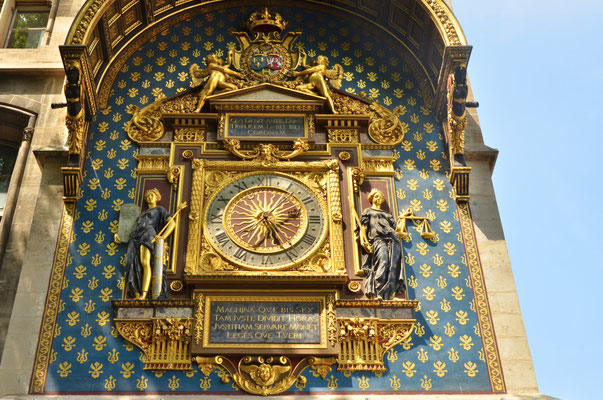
(318, 73)
(382, 260)
(145, 246)
(216, 72)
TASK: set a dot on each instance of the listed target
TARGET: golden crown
(266, 22)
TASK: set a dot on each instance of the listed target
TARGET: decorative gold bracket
(165, 342)
(364, 341)
(265, 375)
(266, 153)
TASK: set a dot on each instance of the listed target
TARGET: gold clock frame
(325, 262)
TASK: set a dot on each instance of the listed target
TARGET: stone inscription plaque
(274, 322)
(273, 127)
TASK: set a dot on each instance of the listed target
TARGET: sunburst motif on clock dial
(265, 221)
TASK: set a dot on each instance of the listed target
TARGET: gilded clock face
(265, 221)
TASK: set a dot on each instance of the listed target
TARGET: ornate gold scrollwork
(264, 375)
(145, 125)
(266, 153)
(385, 126)
(173, 176)
(165, 342)
(364, 341)
(357, 179)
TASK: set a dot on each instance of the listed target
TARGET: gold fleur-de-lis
(462, 317)
(96, 369)
(99, 237)
(103, 318)
(127, 370)
(427, 194)
(429, 293)
(438, 260)
(112, 248)
(412, 184)
(113, 356)
(90, 204)
(436, 342)
(142, 383)
(426, 383)
(68, 343)
(425, 270)
(110, 383)
(409, 259)
(363, 383)
(205, 383)
(76, 294)
(422, 248)
(415, 205)
(471, 369)
(174, 383)
(466, 342)
(438, 184)
(99, 342)
(408, 368)
(445, 305)
(108, 271)
(453, 355)
(441, 281)
(457, 293)
(73, 318)
(83, 249)
(82, 356)
(435, 165)
(394, 383)
(407, 343)
(439, 368)
(422, 355)
(412, 282)
(93, 283)
(89, 307)
(86, 330)
(64, 369)
(392, 355)
(432, 317)
(419, 329)
(449, 329)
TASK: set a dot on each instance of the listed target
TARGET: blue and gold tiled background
(444, 354)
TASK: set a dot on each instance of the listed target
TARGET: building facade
(317, 176)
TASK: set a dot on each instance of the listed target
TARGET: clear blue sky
(536, 69)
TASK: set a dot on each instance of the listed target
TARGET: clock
(265, 221)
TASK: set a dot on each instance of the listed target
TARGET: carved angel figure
(318, 75)
(265, 374)
(214, 76)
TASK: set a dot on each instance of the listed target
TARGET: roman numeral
(291, 254)
(222, 199)
(314, 219)
(216, 218)
(241, 254)
(307, 200)
(308, 239)
(240, 185)
(222, 238)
